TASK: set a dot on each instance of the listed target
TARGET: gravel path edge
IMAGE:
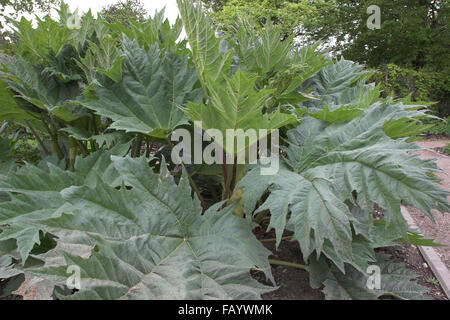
(437, 266)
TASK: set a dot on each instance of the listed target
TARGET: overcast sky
(150, 6)
(96, 5)
(171, 11)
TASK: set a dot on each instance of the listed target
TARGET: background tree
(411, 49)
(414, 38)
(288, 15)
(15, 7)
(124, 10)
(413, 32)
(12, 8)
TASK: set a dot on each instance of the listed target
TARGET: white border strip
(437, 266)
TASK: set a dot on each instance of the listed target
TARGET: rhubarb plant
(111, 199)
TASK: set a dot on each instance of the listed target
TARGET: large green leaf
(279, 64)
(149, 96)
(39, 197)
(262, 54)
(310, 203)
(8, 106)
(360, 157)
(339, 83)
(237, 105)
(156, 29)
(41, 89)
(211, 64)
(37, 43)
(104, 58)
(7, 269)
(35, 194)
(396, 282)
(329, 165)
(233, 102)
(152, 242)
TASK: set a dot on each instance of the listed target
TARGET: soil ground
(414, 261)
(293, 282)
(440, 231)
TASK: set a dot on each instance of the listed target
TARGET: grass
(447, 149)
(433, 281)
(441, 127)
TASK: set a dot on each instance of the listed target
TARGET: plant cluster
(447, 148)
(412, 33)
(410, 50)
(439, 126)
(102, 101)
(421, 84)
(123, 11)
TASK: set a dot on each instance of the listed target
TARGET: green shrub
(447, 148)
(440, 127)
(423, 85)
(21, 143)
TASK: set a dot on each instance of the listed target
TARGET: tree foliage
(413, 37)
(286, 15)
(123, 11)
(413, 33)
(22, 6)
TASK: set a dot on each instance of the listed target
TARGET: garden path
(440, 231)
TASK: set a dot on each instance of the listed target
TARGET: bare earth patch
(440, 231)
(413, 260)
